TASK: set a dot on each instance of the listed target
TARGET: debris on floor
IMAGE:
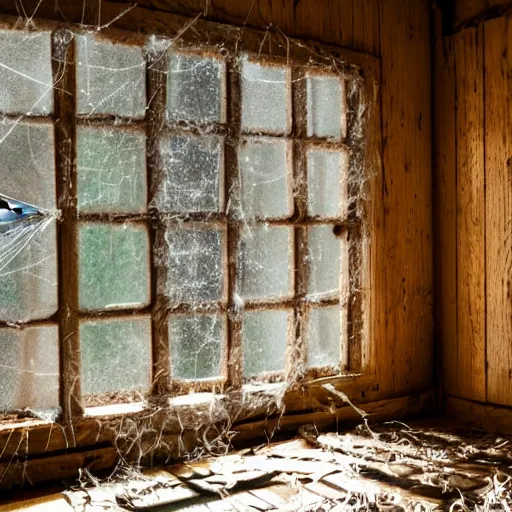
(388, 467)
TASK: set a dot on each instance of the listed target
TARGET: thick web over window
(173, 218)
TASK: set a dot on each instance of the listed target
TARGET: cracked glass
(327, 183)
(324, 258)
(265, 337)
(197, 346)
(110, 78)
(324, 333)
(113, 266)
(196, 89)
(265, 178)
(195, 264)
(111, 169)
(326, 106)
(29, 364)
(115, 354)
(26, 79)
(265, 98)
(265, 262)
(193, 175)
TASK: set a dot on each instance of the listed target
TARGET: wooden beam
(402, 238)
(34, 471)
(470, 360)
(470, 12)
(395, 408)
(498, 143)
(492, 418)
(445, 212)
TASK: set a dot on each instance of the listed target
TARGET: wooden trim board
(492, 418)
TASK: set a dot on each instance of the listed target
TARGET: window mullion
(63, 62)
(156, 91)
(234, 336)
(355, 235)
(297, 353)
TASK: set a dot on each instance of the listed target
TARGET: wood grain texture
(396, 408)
(33, 471)
(346, 23)
(404, 330)
(470, 360)
(445, 213)
(470, 11)
(489, 417)
(498, 142)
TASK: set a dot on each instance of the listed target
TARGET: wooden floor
(421, 466)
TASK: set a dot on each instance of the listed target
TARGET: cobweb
(159, 433)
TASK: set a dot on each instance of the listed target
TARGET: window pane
(195, 258)
(265, 179)
(26, 72)
(324, 260)
(111, 78)
(27, 154)
(29, 364)
(197, 345)
(193, 175)
(327, 183)
(264, 262)
(265, 98)
(28, 271)
(115, 354)
(324, 336)
(195, 88)
(113, 266)
(265, 337)
(111, 166)
(326, 106)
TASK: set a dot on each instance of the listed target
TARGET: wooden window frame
(303, 393)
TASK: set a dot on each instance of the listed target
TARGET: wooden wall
(473, 223)
(467, 12)
(397, 31)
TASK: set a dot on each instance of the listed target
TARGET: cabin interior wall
(473, 194)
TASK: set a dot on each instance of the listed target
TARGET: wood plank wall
(466, 12)
(397, 31)
(473, 197)
(402, 284)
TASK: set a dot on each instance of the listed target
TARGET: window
(198, 218)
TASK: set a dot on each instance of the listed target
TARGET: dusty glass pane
(326, 106)
(27, 170)
(110, 78)
(327, 183)
(265, 179)
(197, 345)
(195, 259)
(26, 72)
(193, 175)
(115, 354)
(265, 337)
(28, 271)
(195, 88)
(324, 336)
(29, 368)
(265, 98)
(113, 266)
(324, 260)
(265, 258)
(111, 167)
